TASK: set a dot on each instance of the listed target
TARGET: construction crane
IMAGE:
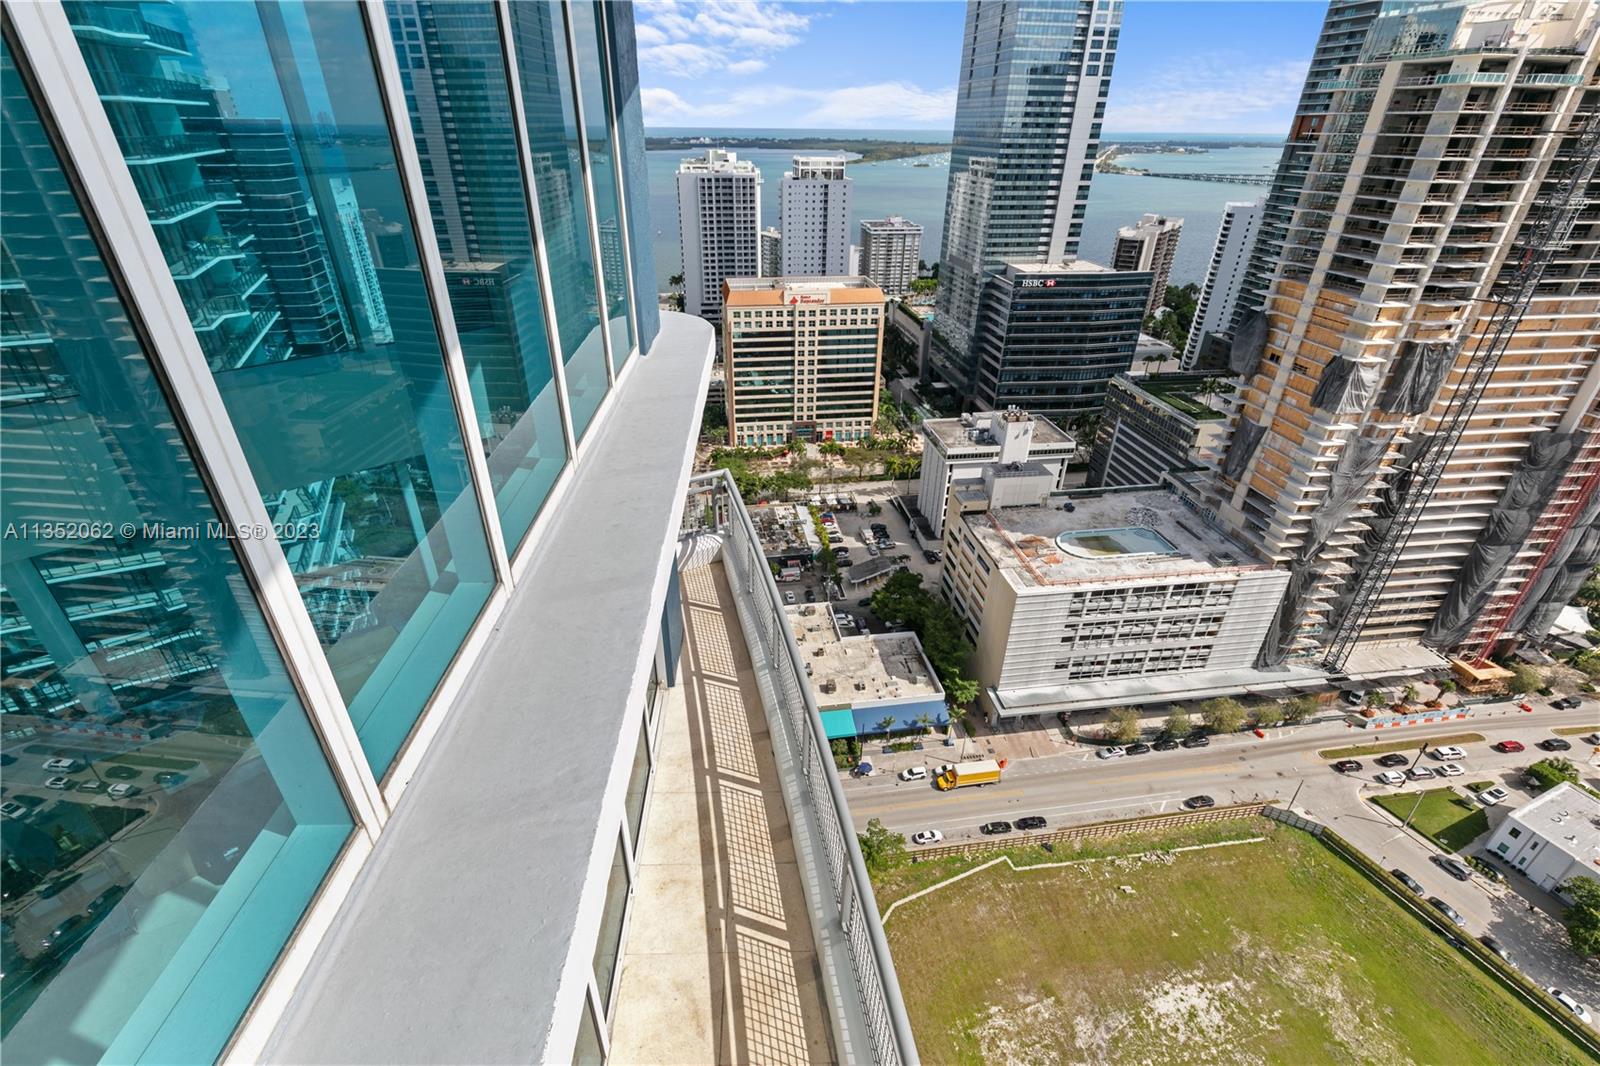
(1550, 224)
(1576, 504)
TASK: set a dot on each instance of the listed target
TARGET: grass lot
(1271, 952)
(1576, 730)
(1412, 744)
(1445, 817)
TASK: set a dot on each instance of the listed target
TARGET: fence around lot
(1176, 820)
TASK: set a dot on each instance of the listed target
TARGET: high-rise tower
(814, 207)
(1150, 244)
(719, 226)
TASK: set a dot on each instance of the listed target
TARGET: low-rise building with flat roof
(1552, 838)
(788, 537)
(959, 448)
(861, 680)
(1082, 600)
(1155, 424)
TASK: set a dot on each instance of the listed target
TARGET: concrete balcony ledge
(468, 935)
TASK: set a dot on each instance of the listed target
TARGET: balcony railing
(876, 1014)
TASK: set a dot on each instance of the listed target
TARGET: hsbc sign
(1038, 283)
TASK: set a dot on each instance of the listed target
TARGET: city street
(1077, 788)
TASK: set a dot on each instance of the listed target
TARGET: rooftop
(1568, 818)
(1112, 535)
(972, 431)
(717, 161)
(844, 288)
(785, 528)
(1182, 393)
(853, 670)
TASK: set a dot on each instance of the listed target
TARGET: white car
(1447, 753)
(1111, 753)
(122, 789)
(1420, 773)
(12, 809)
(60, 783)
(1490, 796)
(1450, 769)
(789, 597)
(1571, 1004)
(61, 766)
(927, 836)
(1391, 777)
(914, 773)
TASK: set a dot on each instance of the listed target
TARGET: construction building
(1149, 245)
(1419, 421)
(802, 358)
(1159, 423)
(955, 449)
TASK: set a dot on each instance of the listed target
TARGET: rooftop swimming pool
(1101, 543)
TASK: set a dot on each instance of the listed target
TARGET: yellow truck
(980, 772)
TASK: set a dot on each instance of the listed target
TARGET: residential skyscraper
(771, 252)
(1033, 82)
(719, 227)
(891, 248)
(1421, 188)
(802, 357)
(1149, 245)
(814, 211)
(1225, 274)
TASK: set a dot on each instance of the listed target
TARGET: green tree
(1122, 725)
(1178, 723)
(1222, 715)
(676, 281)
(1376, 699)
(925, 720)
(1410, 694)
(1525, 678)
(873, 509)
(1265, 713)
(1298, 709)
(881, 848)
(1446, 685)
(1552, 772)
(886, 724)
(1583, 916)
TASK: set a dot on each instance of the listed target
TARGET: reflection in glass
(257, 138)
(597, 116)
(556, 150)
(608, 947)
(167, 812)
(460, 106)
(638, 785)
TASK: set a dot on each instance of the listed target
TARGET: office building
(771, 252)
(814, 210)
(802, 357)
(1159, 423)
(1219, 294)
(957, 449)
(891, 249)
(865, 682)
(719, 227)
(1084, 600)
(1552, 838)
(1042, 66)
(1418, 194)
(1149, 245)
(1053, 335)
(297, 549)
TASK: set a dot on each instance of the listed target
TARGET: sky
(1183, 66)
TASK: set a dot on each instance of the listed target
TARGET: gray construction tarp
(1521, 503)
(1576, 556)
(1345, 387)
(1416, 375)
(1246, 435)
(1249, 344)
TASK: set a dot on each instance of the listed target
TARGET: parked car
(1490, 796)
(929, 556)
(1140, 748)
(1197, 740)
(914, 773)
(1032, 821)
(91, 786)
(168, 778)
(1571, 1004)
(1347, 766)
(1525, 707)
(1420, 773)
(1454, 867)
(811, 595)
(123, 791)
(1509, 747)
(61, 765)
(1446, 753)
(1394, 758)
(12, 809)
(789, 597)
(59, 783)
(991, 829)
(1447, 910)
(1199, 803)
(1449, 769)
(1495, 946)
(1566, 702)
(1407, 880)
(1555, 744)
(865, 601)
(1352, 697)
(1391, 777)
(926, 836)
(1110, 753)
(1164, 744)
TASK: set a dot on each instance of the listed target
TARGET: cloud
(748, 66)
(687, 40)
(662, 106)
(884, 105)
(682, 59)
(1212, 92)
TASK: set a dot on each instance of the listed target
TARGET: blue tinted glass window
(597, 121)
(167, 812)
(460, 107)
(556, 149)
(257, 138)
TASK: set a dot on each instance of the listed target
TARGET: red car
(1526, 708)
(1509, 746)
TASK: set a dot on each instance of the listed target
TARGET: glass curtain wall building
(310, 309)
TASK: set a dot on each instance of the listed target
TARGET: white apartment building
(1552, 838)
(1149, 245)
(814, 208)
(959, 448)
(1078, 601)
(802, 358)
(719, 227)
(771, 252)
(1230, 258)
(890, 251)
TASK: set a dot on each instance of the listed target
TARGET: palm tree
(886, 723)
(676, 281)
(925, 720)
